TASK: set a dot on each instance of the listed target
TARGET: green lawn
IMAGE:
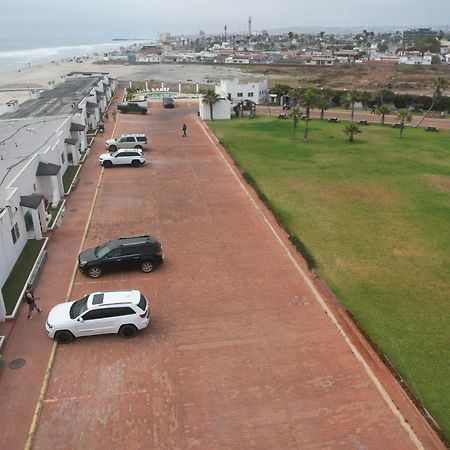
(68, 176)
(375, 216)
(20, 272)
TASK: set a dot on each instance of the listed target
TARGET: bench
(282, 116)
(363, 122)
(431, 129)
(333, 119)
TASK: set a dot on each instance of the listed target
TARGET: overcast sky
(147, 18)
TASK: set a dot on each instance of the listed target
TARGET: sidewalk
(27, 339)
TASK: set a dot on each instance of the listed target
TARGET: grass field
(375, 215)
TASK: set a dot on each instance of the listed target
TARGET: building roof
(77, 127)
(62, 100)
(47, 169)
(21, 140)
(31, 201)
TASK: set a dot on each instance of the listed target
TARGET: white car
(122, 312)
(134, 157)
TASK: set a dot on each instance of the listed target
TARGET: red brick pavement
(239, 354)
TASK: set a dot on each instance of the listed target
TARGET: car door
(131, 141)
(122, 143)
(131, 256)
(112, 260)
(97, 321)
(122, 158)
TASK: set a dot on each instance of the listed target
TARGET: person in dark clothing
(31, 301)
(184, 130)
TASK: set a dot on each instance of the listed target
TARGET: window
(114, 253)
(130, 139)
(15, 233)
(142, 303)
(105, 313)
(34, 187)
(130, 250)
(63, 158)
(239, 94)
(250, 94)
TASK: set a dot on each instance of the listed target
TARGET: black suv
(132, 107)
(168, 102)
(143, 252)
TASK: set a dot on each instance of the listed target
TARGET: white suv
(126, 141)
(122, 157)
(122, 312)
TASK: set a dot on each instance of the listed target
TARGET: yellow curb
(48, 370)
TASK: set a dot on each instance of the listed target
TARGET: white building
(236, 92)
(40, 139)
(221, 109)
(236, 60)
(418, 60)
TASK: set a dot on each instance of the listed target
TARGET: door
(122, 158)
(112, 260)
(97, 321)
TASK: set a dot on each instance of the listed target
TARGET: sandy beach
(17, 84)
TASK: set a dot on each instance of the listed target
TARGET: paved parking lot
(239, 353)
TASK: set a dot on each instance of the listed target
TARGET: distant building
(415, 59)
(236, 60)
(236, 92)
(164, 37)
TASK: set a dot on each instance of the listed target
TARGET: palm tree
(404, 115)
(308, 100)
(295, 95)
(352, 96)
(290, 36)
(295, 115)
(350, 130)
(323, 105)
(383, 110)
(366, 96)
(210, 98)
(439, 85)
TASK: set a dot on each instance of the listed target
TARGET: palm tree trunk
(211, 111)
(350, 137)
(382, 119)
(424, 116)
(305, 134)
(401, 129)
(353, 111)
(321, 114)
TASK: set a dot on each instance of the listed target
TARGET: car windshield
(79, 307)
(101, 250)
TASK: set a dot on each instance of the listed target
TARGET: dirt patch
(440, 182)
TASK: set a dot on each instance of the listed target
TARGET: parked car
(122, 157)
(132, 107)
(122, 312)
(143, 252)
(126, 141)
(168, 102)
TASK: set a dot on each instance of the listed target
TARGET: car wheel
(138, 147)
(112, 148)
(64, 337)
(135, 163)
(147, 266)
(128, 331)
(95, 271)
(107, 164)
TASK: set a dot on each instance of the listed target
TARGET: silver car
(127, 141)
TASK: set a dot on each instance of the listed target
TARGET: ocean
(17, 54)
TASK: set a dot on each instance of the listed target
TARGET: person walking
(31, 301)
(184, 130)
(114, 115)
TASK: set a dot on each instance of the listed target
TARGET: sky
(148, 18)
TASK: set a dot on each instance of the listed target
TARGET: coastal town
(286, 182)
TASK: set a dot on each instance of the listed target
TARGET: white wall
(256, 92)
(221, 110)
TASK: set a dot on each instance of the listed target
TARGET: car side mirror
(80, 319)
